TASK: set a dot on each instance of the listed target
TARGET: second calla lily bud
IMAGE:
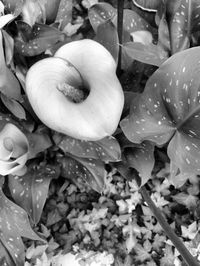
(77, 92)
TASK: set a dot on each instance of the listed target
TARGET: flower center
(72, 93)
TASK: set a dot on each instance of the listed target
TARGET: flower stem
(188, 258)
(120, 14)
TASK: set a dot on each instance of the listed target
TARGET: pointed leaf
(14, 107)
(169, 110)
(9, 84)
(106, 149)
(30, 190)
(141, 157)
(5, 258)
(14, 224)
(9, 47)
(107, 36)
(149, 54)
(179, 13)
(91, 170)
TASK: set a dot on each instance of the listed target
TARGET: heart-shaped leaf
(64, 15)
(41, 38)
(30, 190)
(149, 54)
(107, 36)
(91, 170)
(14, 224)
(106, 149)
(100, 13)
(169, 110)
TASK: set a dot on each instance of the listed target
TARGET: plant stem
(188, 258)
(120, 14)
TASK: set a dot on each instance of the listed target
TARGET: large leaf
(103, 12)
(106, 149)
(30, 190)
(90, 170)
(134, 22)
(150, 54)
(169, 110)
(108, 37)
(14, 224)
(38, 39)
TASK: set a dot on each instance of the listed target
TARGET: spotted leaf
(178, 16)
(195, 16)
(5, 258)
(146, 53)
(106, 149)
(41, 38)
(184, 20)
(100, 13)
(141, 157)
(64, 15)
(169, 110)
(90, 170)
(30, 191)
(134, 22)
(14, 224)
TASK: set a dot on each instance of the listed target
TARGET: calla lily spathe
(13, 150)
(78, 64)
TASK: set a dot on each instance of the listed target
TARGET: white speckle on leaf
(187, 160)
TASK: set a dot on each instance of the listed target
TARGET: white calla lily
(75, 65)
(13, 150)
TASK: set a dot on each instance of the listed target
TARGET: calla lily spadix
(53, 83)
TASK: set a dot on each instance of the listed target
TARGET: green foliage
(30, 190)
(14, 224)
(159, 124)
